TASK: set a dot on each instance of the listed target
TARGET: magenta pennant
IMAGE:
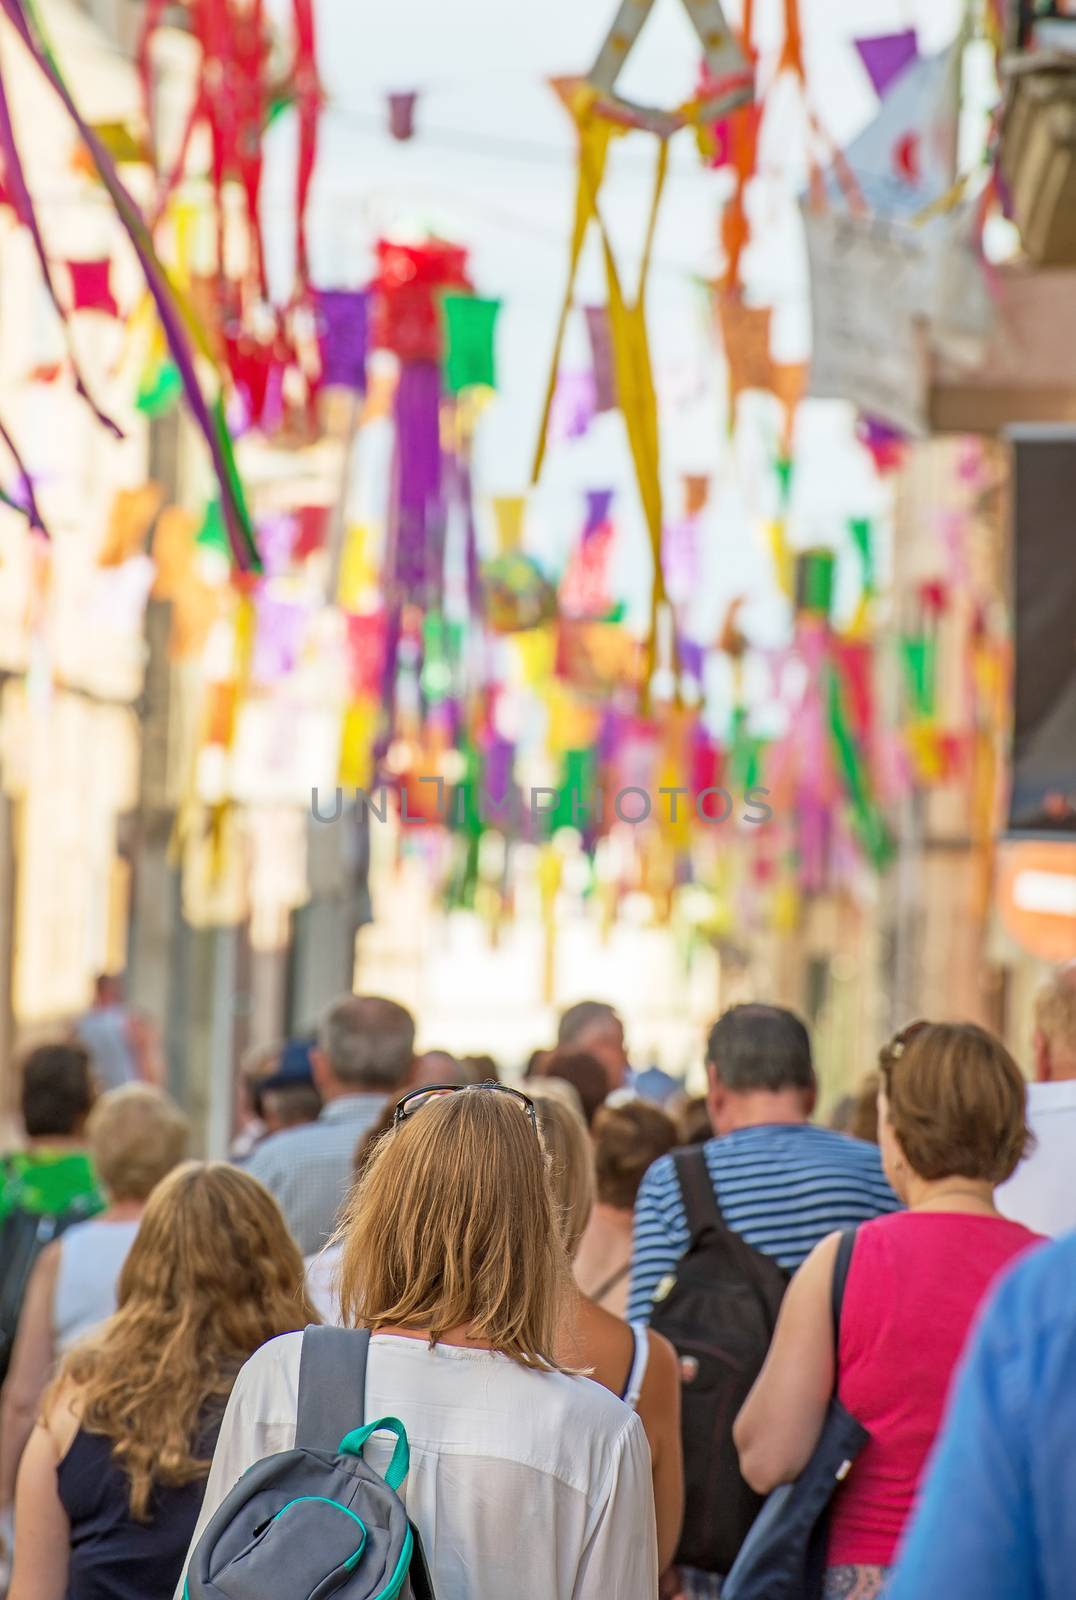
(601, 350)
(402, 115)
(886, 56)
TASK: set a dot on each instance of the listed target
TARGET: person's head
(1054, 1040)
(693, 1120)
(57, 1091)
(758, 1060)
(628, 1139)
(287, 1096)
(584, 1072)
(366, 1045)
(453, 1225)
(951, 1104)
(594, 1027)
(212, 1275)
(136, 1135)
(571, 1160)
(108, 989)
(433, 1067)
(535, 1062)
(864, 1121)
(258, 1063)
(479, 1069)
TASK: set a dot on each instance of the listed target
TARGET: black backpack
(23, 1236)
(719, 1313)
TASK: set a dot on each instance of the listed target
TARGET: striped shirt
(309, 1168)
(781, 1186)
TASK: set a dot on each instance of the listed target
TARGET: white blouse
(526, 1484)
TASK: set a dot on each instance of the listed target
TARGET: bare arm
(659, 1409)
(781, 1419)
(42, 1531)
(30, 1370)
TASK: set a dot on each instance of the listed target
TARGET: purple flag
(278, 640)
(342, 335)
(575, 402)
(601, 350)
(886, 56)
(599, 502)
(417, 533)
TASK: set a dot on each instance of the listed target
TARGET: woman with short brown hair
(951, 1128)
(525, 1480)
(111, 1480)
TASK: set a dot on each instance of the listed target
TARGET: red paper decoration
(409, 281)
(91, 289)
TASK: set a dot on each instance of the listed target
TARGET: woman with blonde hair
(136, 1135)
(112, 1477)
(525, 1480)
(638, 1366)
(951, 1128)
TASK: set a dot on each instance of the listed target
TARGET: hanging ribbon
(600, 133)
(308, 108)
(212, 425)
(30, 508)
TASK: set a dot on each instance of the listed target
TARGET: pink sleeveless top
(914, 1285)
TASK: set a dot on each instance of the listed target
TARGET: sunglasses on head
(421, 1097)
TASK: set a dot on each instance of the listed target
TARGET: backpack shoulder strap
(697, 1191)
(332, 1386)
(841, 1264)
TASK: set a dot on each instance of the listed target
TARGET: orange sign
(1036, 895)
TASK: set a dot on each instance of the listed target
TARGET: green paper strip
(869, 823)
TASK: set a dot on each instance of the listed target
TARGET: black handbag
(784, 1555)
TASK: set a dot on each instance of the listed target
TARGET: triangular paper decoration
(725, 60)
(90, 287)
(886, 56)
(906, 157)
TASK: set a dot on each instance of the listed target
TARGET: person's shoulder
(268, 1381)
(279, 1151)
(661, 1175)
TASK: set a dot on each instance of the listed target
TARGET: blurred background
(806, 529)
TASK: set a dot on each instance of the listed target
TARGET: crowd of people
(602, 1315)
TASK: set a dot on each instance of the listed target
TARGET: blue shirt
(781, 1186)
(996, 1519)
(309, 1169)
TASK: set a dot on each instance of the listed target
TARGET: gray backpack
(316, 1521)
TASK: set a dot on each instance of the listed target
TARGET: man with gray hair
(364, 1053)
(1041, 1193)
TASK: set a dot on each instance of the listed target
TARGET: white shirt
(1042, 1191)
(323, 1286)
(523, 1485)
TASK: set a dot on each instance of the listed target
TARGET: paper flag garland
(91, 289)
(469, 328)
(886, 56)
(342, 337)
